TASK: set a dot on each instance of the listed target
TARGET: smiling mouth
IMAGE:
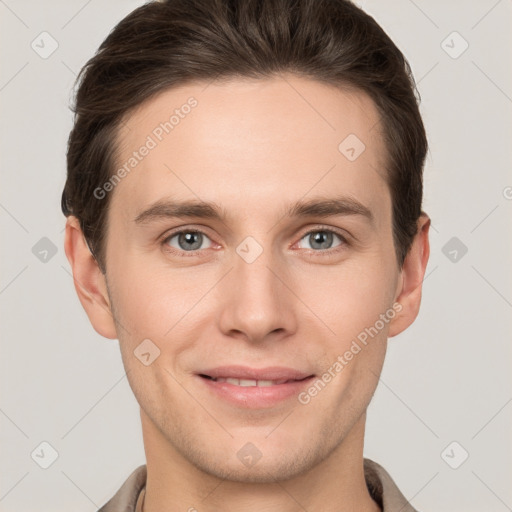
(252, 382)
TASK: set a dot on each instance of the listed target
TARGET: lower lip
(256, 397)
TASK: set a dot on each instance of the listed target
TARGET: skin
(253, 148)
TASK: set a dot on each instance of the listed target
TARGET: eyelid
(340, 232)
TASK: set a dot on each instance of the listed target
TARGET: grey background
(447, 378)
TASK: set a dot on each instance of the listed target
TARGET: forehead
(239, 141)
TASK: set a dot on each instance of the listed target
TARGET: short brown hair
(168, 43)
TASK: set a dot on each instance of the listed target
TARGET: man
(244, 214)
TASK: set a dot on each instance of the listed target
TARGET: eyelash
(325, 252)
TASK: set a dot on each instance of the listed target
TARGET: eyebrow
(316, 207)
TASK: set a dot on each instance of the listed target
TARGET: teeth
(250, 382)
(242, 382)
(265, 383)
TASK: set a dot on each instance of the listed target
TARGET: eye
(192, 240)
(322, 239)
(187, 240)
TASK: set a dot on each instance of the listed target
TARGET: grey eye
(187, 240)
(320, 239)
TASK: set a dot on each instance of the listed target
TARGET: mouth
(247, 388)
(251, 382)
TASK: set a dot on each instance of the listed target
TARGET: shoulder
(125, 498)
(383, 488)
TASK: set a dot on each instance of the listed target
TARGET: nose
(258, 302)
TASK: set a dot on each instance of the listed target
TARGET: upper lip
(245, 372)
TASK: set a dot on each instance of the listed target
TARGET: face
(264, 276)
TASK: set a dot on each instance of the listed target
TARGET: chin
(261, 473)
(256, 462)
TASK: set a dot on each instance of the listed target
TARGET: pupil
(191, 240)
(323, 238)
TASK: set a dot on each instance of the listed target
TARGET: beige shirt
(381, 486)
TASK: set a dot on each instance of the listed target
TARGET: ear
(90, 283)
(411, 278)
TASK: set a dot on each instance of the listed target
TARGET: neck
(335, 484)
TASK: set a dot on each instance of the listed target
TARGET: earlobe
(90, 283)
(411, 278)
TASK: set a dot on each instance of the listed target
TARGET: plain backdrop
(445, 392)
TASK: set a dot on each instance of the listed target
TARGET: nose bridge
(252, 270)
(256, 300)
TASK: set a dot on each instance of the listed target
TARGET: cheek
(357, 307)
(154, 305)
(157, 302)
(145, 307)
(350, 297)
